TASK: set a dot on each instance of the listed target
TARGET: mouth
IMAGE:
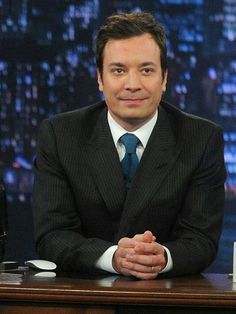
(132, 101)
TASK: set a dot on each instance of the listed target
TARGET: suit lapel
(105, 165)
(158, 159)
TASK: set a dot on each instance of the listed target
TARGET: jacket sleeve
(58, 229)
(194, 241)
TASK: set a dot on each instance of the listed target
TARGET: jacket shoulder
(87, 112)
(186, 121)
(80, 119)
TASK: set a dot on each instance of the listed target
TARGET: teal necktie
(130, 161)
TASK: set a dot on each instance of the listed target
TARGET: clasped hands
(140, 256)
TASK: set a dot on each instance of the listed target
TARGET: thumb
(148, 237)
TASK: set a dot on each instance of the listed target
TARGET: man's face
(132, 81)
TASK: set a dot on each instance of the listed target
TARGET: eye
(147, 71)
(117, 71)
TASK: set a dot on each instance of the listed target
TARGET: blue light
(23, 21)
(28, 79)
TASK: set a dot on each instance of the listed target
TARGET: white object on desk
(234, 263)
(41, 264)
(45, 274)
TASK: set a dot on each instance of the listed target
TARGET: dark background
(47, 66)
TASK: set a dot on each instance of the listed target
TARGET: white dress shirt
(143, 133)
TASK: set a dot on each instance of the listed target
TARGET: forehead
(143, 48)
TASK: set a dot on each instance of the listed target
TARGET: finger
(149, 248)
(120, 255)
(147, 260)
(151, 259)
(151, 274)
(127, 243)
(148, 237)
(140, 271)
(123, 252)
(138, 237)
(140, 267)
(144, 276)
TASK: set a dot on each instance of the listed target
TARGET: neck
(130, 124)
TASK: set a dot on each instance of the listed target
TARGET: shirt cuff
(105, 260)
(169, 264)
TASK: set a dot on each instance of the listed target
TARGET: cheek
(155, 90)
(113, 88)
(160, 87)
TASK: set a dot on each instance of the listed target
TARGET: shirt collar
(143, 133)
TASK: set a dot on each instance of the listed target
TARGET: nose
(133, 82)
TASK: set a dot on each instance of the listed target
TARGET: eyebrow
(119, 64)
(144, 64)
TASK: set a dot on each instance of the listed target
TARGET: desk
(207, 293)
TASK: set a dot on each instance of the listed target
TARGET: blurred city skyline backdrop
(47, 66)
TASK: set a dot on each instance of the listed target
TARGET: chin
(134, 119)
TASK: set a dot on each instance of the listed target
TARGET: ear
(99, 79)
(164, 83)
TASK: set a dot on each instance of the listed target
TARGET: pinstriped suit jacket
(80, 204)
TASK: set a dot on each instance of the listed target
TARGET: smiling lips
(132, 100)
(133, 103)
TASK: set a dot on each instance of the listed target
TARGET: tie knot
(130, 142)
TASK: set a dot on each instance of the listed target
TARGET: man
(90, 212)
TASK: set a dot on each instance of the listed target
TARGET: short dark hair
(127, 25)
